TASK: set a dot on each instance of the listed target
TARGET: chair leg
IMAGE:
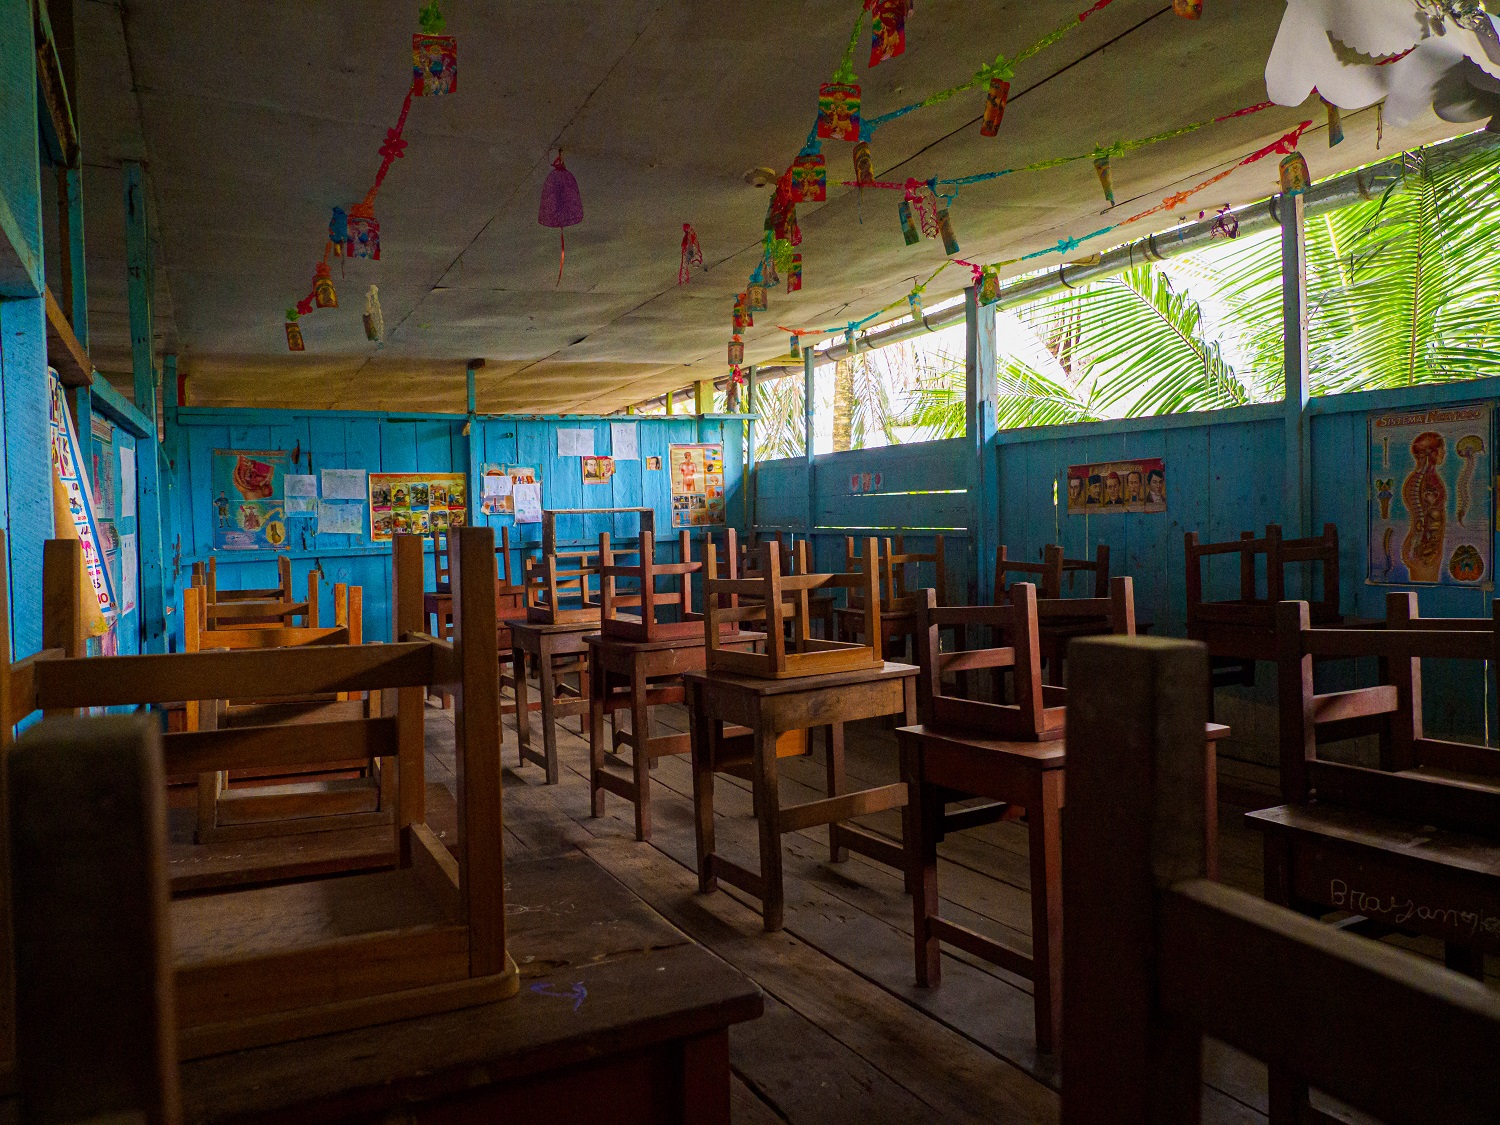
(1044, 827)
(599, 685)
(925, 820)
(549, 714)
(834, 768)
(700, 736)
(768, 814)
(640, 737)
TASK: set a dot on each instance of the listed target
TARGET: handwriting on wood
(1402, 911)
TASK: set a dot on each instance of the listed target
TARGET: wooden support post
(751, 514)
(476, 446)
(140, 274)
(407, 616)
(808, 367)
(75, 289)
(979, 422)
(703, 397)
(667, 398)
(171, 521)
(1297, 485)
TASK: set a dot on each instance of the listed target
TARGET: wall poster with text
(1118, 486)
(1430, 496)
(249, 499)
(697, 484)
(73, 508)
(416, 503)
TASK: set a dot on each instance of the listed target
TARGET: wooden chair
(1063, 619)
(647, 627)
(794, 553)
(1239, 631)
(270, 607)
(1046, 575)
(898, 598)
(771, 598)
(1158, 956)
(304, 959)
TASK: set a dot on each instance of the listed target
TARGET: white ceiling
(255, 119)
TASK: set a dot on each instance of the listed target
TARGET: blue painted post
(979, 431)
(153, 599)
(808, 368)
(476, 443)
(751, 514)
(75, 275)
(171, 525)
(1298, 483)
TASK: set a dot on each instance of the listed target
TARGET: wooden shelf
(64, 352)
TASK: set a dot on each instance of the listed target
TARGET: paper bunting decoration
(1295, 178)
(736, 351)
(945, 231)
(794, 274)
(1105, 174)
(338, 230)
(323, 293)
(914, 300)
(864, 170)
(755, 298)
(561, 207)
(294, 333)
(999, 73)
(795, 351)
(1188, 9)
(838, 111)
(374, 319)
(692, 253)
(908, 219)
(989, 286)
(434, 56)
(809, 178)
(364, 233)
(742, 316)
(770, 276)
(887, 29)
(1335, 122)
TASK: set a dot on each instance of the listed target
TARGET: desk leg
(1211, 812)
(705, 1079)
(640, 738)
(598, 692)
(768, 813)
(924, 820)
(1044, 822)
(834, 746)
(700, 737)
(523, 704)
(547, 674)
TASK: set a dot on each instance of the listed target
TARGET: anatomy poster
(415, 503)
(1117, 486)
(697, 484)
(1430, 500)
(248, 499)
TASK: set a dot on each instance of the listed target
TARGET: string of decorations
(355, 233)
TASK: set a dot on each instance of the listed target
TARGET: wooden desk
(619, 1015)
(770, 708)
(1024, 777)
(547, 645)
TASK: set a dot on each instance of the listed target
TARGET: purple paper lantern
(562, 205)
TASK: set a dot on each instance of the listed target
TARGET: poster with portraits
(416, 503)
(1118, 487)
(1430, 496)
(697, 484)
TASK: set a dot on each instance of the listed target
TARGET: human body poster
(249, 499)
(1118, 486)
(416, 503)
(1430, 497)
(697, 484)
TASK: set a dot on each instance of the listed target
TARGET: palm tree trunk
(843, 405)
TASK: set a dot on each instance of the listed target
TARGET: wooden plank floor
(847, 1036)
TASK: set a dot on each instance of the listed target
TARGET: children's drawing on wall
(697, 484)
(1430, 497)
(248, 499)
(1121, 487)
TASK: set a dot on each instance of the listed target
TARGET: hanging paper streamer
(996, 96)
(809, 178)
(374, 319)
(323, 292)
(1106, 176)
(1335, 122)
(908, 219)
(561, 207)
(796, 349)
(838, 111)
(338, 230)
(864, 171)
(887, 29)
(945, 231)
(756, 298)
(692, 253)
(1188, 9)
(364, 233)
(434, 56)
(989, 286)
(742, 317)
(914, 299)
(770, 276)
(294, 332)
(794, 274)
(736, 351)
(1295, 178)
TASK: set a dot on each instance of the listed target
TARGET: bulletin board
(415, 503)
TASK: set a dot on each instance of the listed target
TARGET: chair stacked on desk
(270, 606)
(899, 592)
(1060, 625)
(298, 959)
(1159, 957)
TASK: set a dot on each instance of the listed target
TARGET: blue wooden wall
(427, 443)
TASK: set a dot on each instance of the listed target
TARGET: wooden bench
(284, 962)
(1158, 956)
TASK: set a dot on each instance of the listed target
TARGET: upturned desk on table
(620, 1017)
(546, 645)
(769, 708)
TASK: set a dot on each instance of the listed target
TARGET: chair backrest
(440, 568)
(1391, 709)
(1098, 566)
(1046, 575)
(1114, 612)
(648, 627)
(1015, 636)
(1250, 607)
(1157, 956)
